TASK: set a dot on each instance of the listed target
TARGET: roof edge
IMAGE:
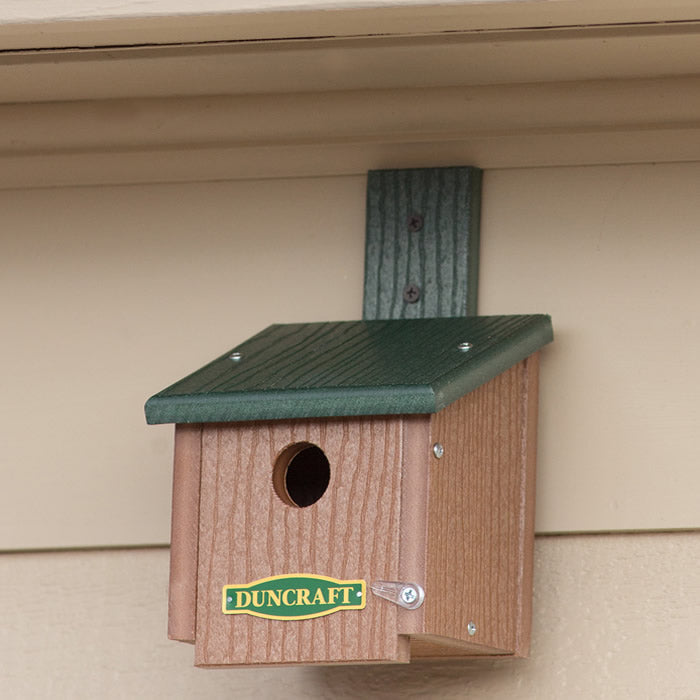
(520, 344)
(274, 405)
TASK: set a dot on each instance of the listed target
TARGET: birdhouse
(357, 492)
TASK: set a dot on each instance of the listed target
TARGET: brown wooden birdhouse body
(357, 492)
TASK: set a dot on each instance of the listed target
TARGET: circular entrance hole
(301, 474)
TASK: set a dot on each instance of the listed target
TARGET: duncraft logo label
(294, 597)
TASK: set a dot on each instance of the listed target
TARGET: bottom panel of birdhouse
(297, 518)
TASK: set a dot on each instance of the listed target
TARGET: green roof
(351, 368)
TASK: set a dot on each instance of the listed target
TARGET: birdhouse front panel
(255, 525)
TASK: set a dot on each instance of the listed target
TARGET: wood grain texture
(479, 546)
(441, 257)
(526, 531)
(182, 597)
(247, 533)
(425, 646)
(414, 513)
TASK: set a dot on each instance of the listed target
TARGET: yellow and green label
(294, 597)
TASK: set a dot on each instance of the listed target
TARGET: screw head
(415, 222)
(409, 594)
(465, 347)
(411, 293)
(471, 628)
(235, 356)
(438, 450)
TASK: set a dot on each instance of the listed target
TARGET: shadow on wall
(420, 679)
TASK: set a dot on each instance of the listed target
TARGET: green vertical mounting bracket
(422, 243)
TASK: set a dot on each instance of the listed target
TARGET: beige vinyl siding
(615, 616)
(111, 293)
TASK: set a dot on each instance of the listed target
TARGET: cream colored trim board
(387, 116)
(471, 58)
(56, 23)
(258, 136)
(309, 160)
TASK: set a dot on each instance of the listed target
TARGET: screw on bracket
(411, 293)
(415, 222)
(406, 595)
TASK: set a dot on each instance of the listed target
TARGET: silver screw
(229, 599)
(235, 356)
(359, 594)
(409, 594)
(465, 347)
(471, 628)
(438, 450)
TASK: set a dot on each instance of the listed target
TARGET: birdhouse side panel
(248, 533)
(481, 518)
(184, 533)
